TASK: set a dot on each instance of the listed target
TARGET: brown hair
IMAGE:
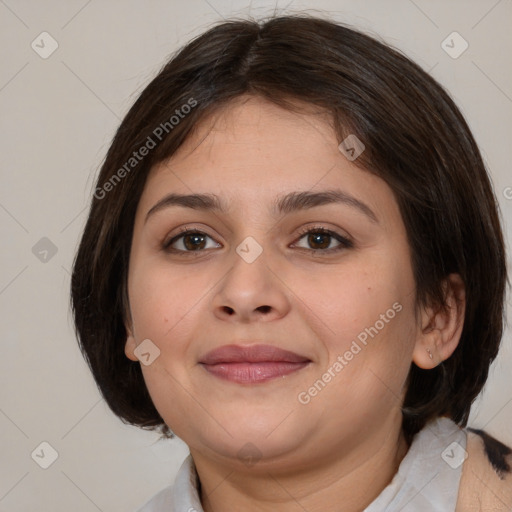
(416, 140)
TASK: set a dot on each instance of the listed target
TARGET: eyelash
(345, 243)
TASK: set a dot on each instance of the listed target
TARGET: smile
(247, 372)
(252, 363)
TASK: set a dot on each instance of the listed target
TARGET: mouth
(252, 364)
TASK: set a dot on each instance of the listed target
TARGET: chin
(252, 443)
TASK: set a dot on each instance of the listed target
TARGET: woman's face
(248, 275)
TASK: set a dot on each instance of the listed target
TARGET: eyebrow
(291, 202)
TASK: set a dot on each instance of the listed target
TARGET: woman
(294, 262)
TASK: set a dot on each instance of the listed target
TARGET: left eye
(322, 238)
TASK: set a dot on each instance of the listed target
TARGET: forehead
(251, 131)
(252, 151)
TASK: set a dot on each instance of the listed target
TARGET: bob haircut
(416, 140)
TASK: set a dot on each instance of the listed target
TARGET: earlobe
(441, 328)
(130, 346)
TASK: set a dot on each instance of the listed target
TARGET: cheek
(163, 301)
(366, 321)
(351, 298)
(165, 306)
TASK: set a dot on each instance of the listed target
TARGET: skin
(337, 452)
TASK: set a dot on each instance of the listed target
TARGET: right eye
(189, 240)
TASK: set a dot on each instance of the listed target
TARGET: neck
(346, 483)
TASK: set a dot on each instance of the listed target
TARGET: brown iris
(313, 238)
(194, 241)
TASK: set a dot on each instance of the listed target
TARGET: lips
(251, 354)
(251, 364)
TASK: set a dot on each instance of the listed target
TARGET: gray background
(58, 116)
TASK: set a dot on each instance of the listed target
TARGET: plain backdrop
(58, 115)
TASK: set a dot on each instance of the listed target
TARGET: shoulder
(160, 502)
(486, 481)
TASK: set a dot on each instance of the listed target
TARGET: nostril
(264, 309)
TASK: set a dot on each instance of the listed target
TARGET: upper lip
(251, 354)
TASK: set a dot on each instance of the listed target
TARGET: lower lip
(253, 372)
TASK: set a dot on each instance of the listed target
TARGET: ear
(130, 344)
(440, 330)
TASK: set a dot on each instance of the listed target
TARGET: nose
(251, 291)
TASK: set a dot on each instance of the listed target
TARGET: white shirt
(427, 479)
